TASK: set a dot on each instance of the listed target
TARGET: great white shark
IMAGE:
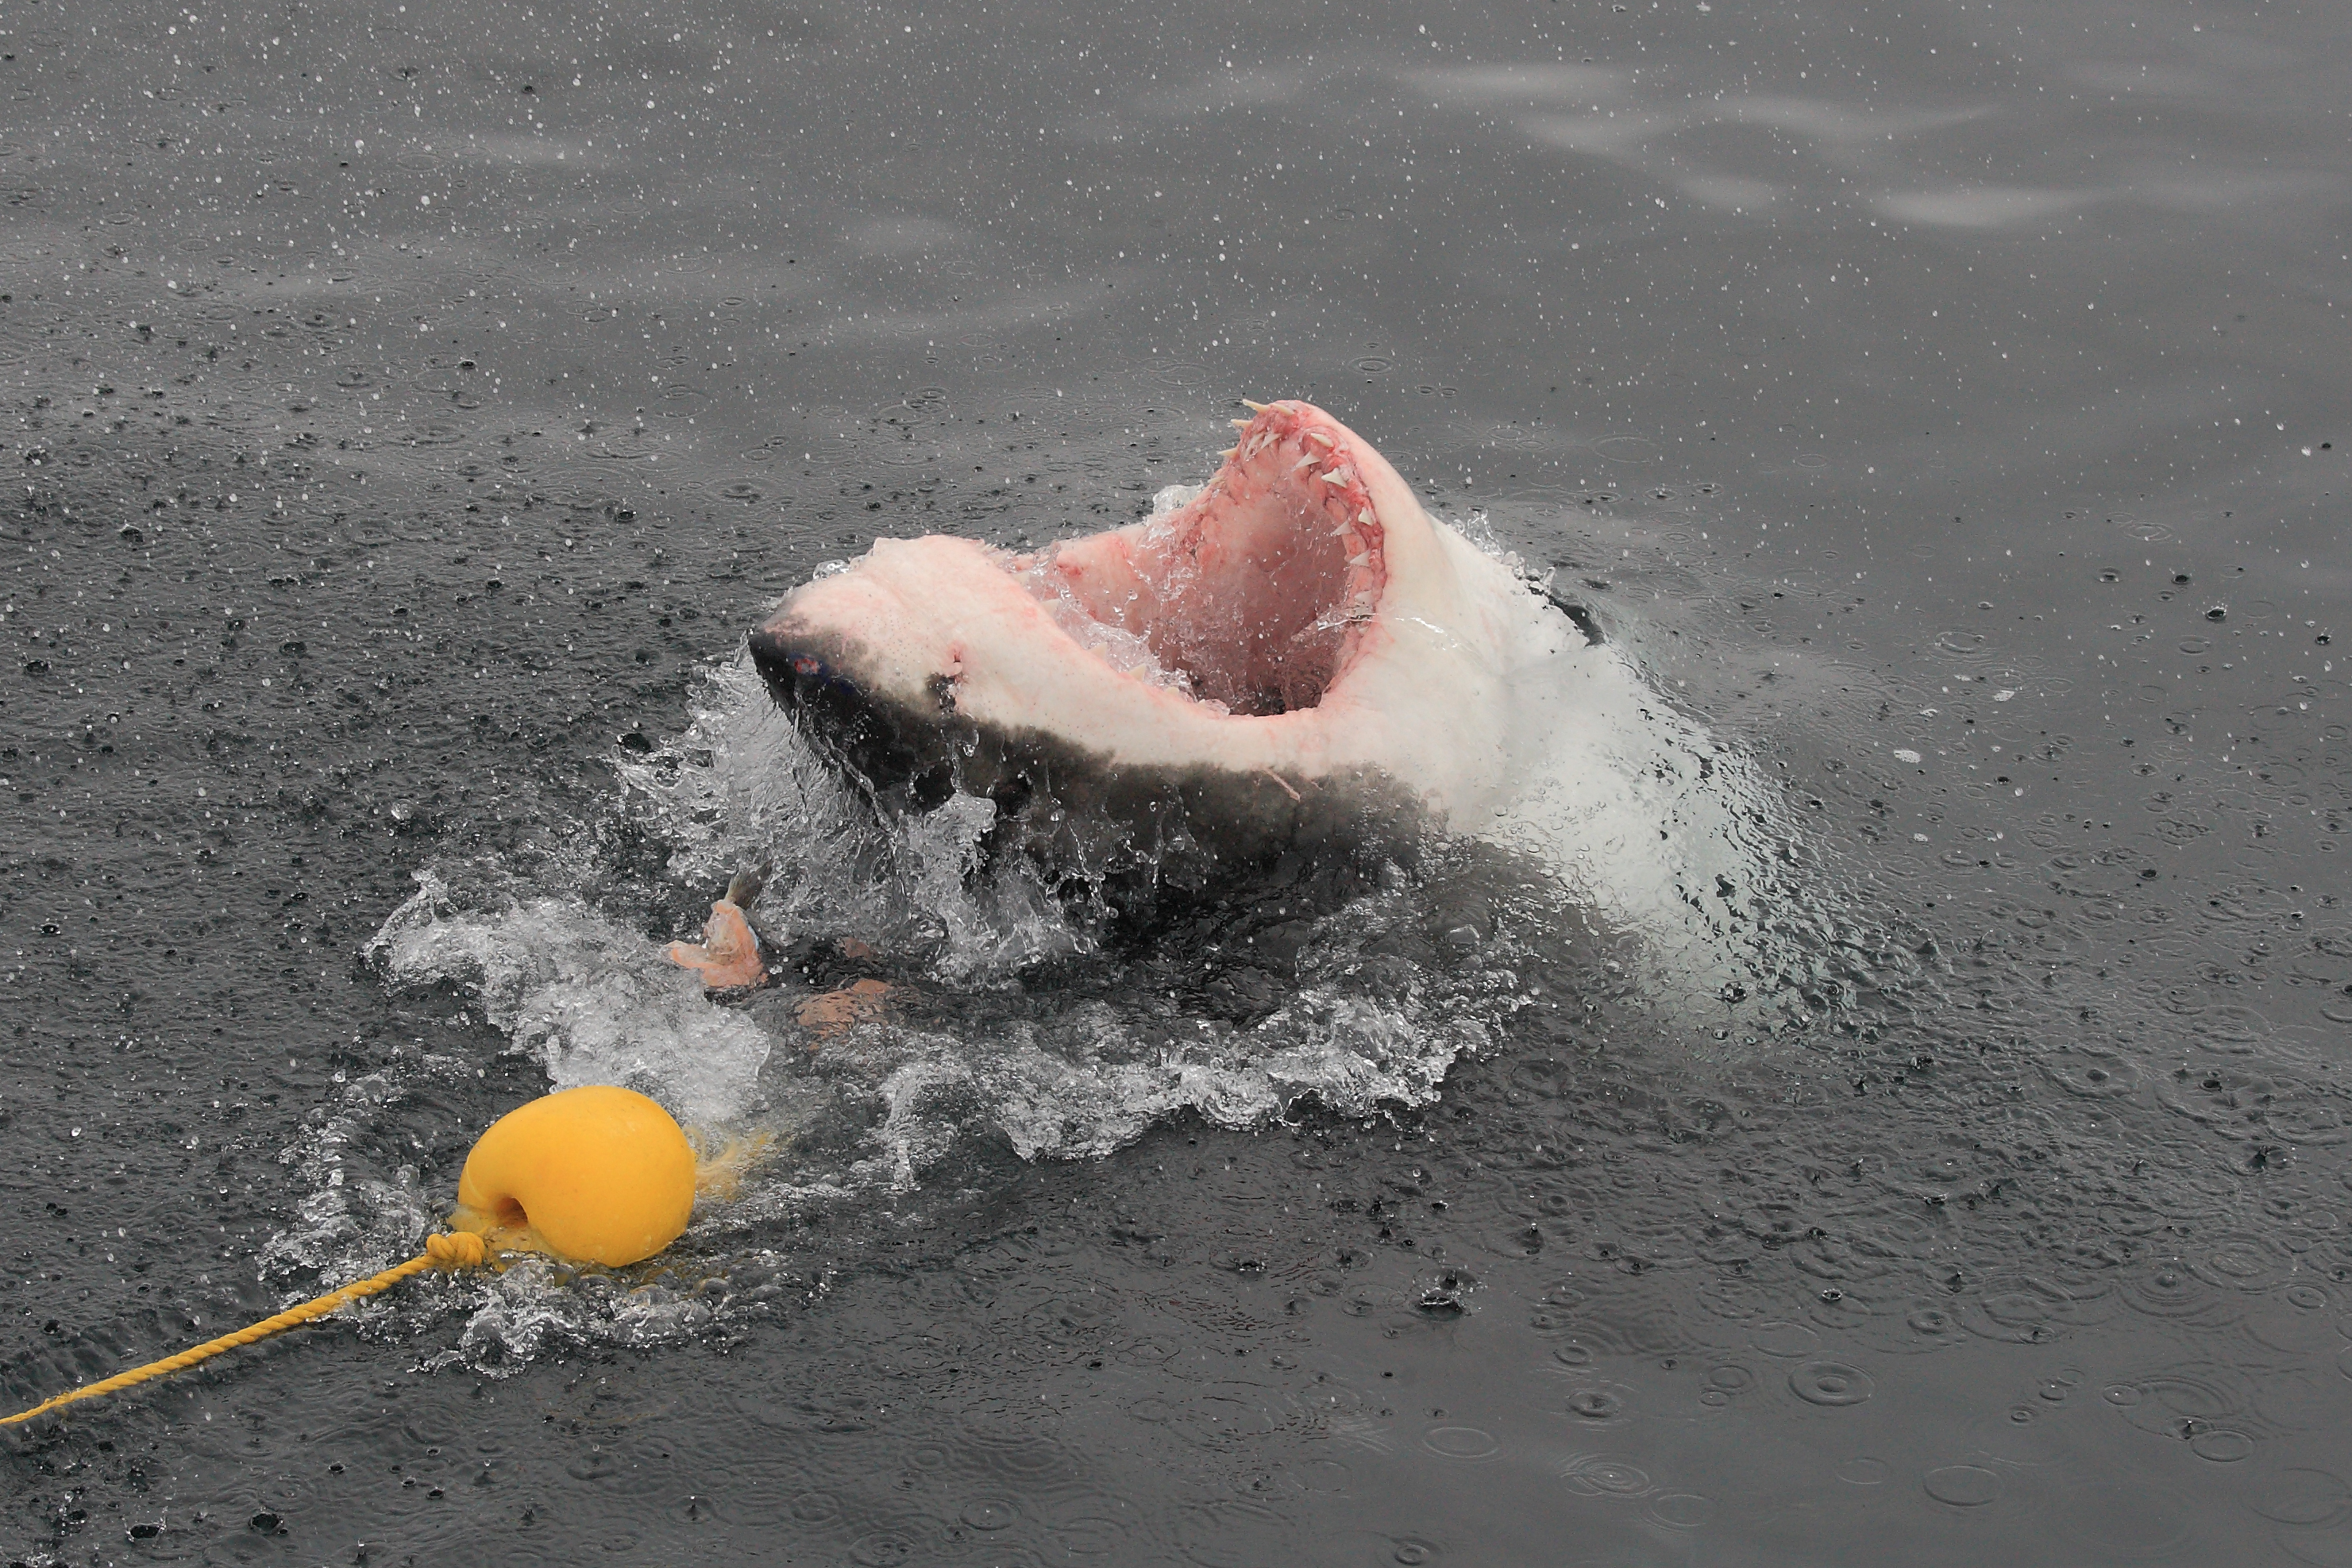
(1293, 663)
(1296, 654)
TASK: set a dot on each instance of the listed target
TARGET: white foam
(596, 1003)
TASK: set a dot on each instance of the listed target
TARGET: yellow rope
(458, 1249)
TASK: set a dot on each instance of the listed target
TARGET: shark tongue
(1253, 590)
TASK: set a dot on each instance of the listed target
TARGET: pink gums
(1256, 587)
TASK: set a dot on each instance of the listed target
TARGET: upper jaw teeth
(1325, 460)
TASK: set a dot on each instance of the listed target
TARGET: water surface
(1943, 408)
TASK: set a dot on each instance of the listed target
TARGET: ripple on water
(2302, 1495)
(1090, 1531)
(1681, 1510)
(2244, 1262)
(1600, 1403)
(2091, 1072)
(1739, 1300)
(1831, 1384)
(1600, 1475)
(2031, 1310)
(1785, 1340)
(2196, 1191)
(1460, 1442)
(2221, 1446)
(1627, 448)
(1226, 1412)
(2171, 1290)
(990, 1514)
(2329, 1546)
(887, 1548)
(2230, 1031)
(1728, 1381)
(1650, 1328)
(1231, 1534)
(2181, 1404)
(2300, 1399)
(1962, 1486)
(1005, 1438)
(2145, 530)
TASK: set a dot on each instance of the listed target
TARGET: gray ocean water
(1944, 407)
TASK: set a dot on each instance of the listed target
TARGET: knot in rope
(455, 1250)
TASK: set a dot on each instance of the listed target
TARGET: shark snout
(850, 709)
(786, 657)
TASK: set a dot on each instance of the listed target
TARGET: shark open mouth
(1250, 592)
(1295, 655)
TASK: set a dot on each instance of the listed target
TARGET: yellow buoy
(595, 1175)
(598, 1175)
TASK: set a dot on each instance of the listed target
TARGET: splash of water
(1630, 854)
